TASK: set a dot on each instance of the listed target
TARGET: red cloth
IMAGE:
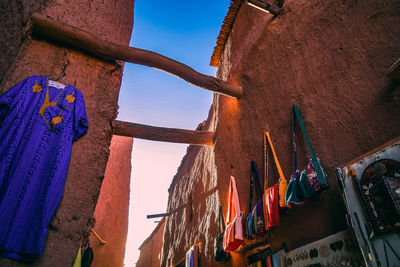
(271, 206)
(233, 235)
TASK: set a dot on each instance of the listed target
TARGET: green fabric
(78, 259)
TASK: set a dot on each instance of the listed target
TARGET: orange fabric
(269, 261)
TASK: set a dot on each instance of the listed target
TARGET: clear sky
(185, 31)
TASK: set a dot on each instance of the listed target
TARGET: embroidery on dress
(56, 120)
(47, 103)
(70, 98)
(36, 88)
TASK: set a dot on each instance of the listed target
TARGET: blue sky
(185, 31)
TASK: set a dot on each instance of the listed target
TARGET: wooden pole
(164, 134)
(98, 237)
(70, 35)
(151, 216)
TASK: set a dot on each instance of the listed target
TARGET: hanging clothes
(38, 124)
(191, 257)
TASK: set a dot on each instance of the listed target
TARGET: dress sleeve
(80, 120)
(7, 98)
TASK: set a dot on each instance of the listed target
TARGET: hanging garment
(78, 258)
(220, 255)
(233, 236)
(87, 257)
(191, 257)
(38, 123)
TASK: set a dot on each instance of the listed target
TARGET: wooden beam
(394, 70)
(164, 134)
(73, 36)
(151, 216)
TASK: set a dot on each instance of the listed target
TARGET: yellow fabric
(282, 181)
(78, 259)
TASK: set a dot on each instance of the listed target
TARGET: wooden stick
(164, 134)
(151, 216)
(98, 237)
(70, 35)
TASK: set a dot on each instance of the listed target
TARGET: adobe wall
(328, 57)
(13, 20)
(99, 82)
(112, 207)
(150, 249)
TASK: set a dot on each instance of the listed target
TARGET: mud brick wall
(99, 82)
(328, 57)
(112, 207)
(150, 250)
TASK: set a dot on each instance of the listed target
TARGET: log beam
(151, 216)
(73, 36)
(164, 134)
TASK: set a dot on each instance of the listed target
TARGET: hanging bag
(271, 194)
(221, 255)
(282, 183)
(255, 220)
(233, 236)
(310, 182)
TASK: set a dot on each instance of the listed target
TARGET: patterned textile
(38, 123)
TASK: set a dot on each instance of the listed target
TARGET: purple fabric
(313, 177)
(35, 152)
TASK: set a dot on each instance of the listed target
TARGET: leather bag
(233, 236)
(307, 184)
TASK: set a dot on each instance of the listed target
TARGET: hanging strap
(233, 197)
(254, 173)
(317, 167)
(254, 170)
(221, 225)
(251, 189)
(278, 166)
(266, 162)
(294, 140)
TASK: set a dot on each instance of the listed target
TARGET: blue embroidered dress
(38, 124)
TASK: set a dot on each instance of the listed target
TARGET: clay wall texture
(329, 58)
(151, 248)
(112, 207)
(13, 20)
(99, 82)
